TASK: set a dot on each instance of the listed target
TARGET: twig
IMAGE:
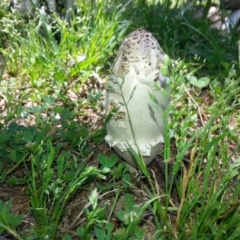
(4, 97)
(156, 184)
(200, 111)
(19, 207)
(186, 176)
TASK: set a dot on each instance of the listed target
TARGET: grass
(52, 129)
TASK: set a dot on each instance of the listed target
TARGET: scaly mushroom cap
(136, 71)
(140, 53)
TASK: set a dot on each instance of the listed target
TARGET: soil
(73, 216)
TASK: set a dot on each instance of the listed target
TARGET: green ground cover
(59, 179)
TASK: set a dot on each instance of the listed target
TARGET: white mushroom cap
(22, 6)
(136, 71)
(215, 17)
(232, 21)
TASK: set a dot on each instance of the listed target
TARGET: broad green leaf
(100, 232)
(201, 82)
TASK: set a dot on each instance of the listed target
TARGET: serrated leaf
(112, 161)
(68, 237)
(80, 232)
(139, 232)
(109, 227)
(28, 136)
(121, 215)
(102, 159)
(129, 201)
(100, 232)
